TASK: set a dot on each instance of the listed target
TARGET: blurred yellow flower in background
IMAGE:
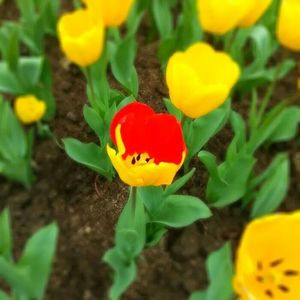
(29, 109)
(221, 16)
(81, 37)
(288, 27)
(112, 12)
(200, 79)
(255, 12)
(268, 260)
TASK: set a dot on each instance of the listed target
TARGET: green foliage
(122, 64)
(24, 75)
(263, 46)
(273, 185)
(185, 32)
(29, 276)
(15, 147)
(220, 273)
(143, 222)
(37, 19)
(235, 179)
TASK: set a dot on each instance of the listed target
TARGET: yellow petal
(200, 79)
(288, 25)
(150, 174)
(268, 260)
(221, 16)
(81, 37)
(29, 109)
(112, 12)
(257, 9)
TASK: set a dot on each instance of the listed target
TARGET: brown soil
(65, 192)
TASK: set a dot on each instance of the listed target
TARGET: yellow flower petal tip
(268, 260)
(112, 12)
(81, 37)
(288, 24)
(200, 79)
(29, 109)
(221, 16)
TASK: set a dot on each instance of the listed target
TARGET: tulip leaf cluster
(143, 222)
(28, 276)
(24, 75)
(38, 18)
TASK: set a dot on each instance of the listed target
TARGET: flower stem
(133, 199)
(91, 86)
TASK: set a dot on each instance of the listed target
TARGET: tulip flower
(221, 16)
(288, 24)
(200, 79)
(112, 12)
(81, 37)
(255, 12)
(29, 109)
(150, 146)
(268, 260)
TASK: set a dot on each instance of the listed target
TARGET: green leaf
(38, 256)
(9, 44)
(152, 197)
(203, 129)
(89, 155)
(8, 82)
(274, 188)
(172, 109)
(94, 121)
(180, 210)
(179, 183)
(163, 16)
(227, 182)
(220, 273)
(287, 126)
(199, 295)
(6, 235)
(131, 227)
(30, 70)
(13, 140)
(124, 273)
(122, 64)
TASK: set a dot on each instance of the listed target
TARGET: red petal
(165, 142)
(134, 112)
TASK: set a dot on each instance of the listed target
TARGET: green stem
(89, 78)
(133, 199)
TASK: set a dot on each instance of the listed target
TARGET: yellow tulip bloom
(221, 16)
(200, 79)
(268, 260)
(255, 12)
(289, 23)
(151, 147)
(81, 37)
(112, 12)
(29, 109)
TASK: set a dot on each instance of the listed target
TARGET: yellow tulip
(112, 12)
(81, 37)
(255, 12)
(143, 140)
(221, 16)
(268, 260)
(289, 23)
(200, 79)
(29, 109)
